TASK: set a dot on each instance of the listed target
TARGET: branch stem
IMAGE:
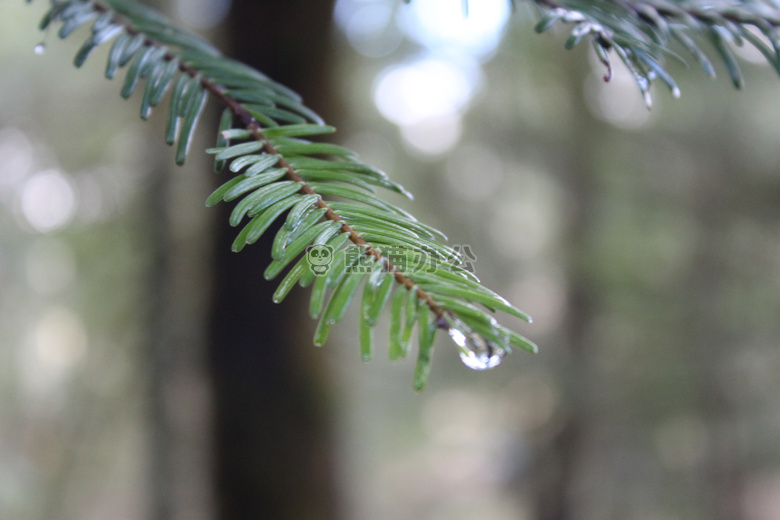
(251, 124)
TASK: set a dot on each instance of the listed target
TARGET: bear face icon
(319, 258)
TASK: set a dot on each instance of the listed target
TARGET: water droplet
(40, 48)
(648, 99)
(573, 16)
(676, 92)
(475, 351)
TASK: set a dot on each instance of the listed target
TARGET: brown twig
(256, 130)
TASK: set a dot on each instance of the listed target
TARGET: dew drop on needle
(475, 351)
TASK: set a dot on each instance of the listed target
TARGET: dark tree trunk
(273, 450)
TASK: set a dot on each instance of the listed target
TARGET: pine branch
(334, 247)
(644, 32)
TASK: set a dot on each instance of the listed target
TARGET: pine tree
(338, 233)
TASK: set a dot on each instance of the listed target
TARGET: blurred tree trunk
(559, 462)
(273, 449)
(601, 462)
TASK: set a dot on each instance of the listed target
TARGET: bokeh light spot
(439, 24)
(369, 26)
(434, 135)
(47, 200)
(410, 93)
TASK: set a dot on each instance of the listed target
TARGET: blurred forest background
(145, 374)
